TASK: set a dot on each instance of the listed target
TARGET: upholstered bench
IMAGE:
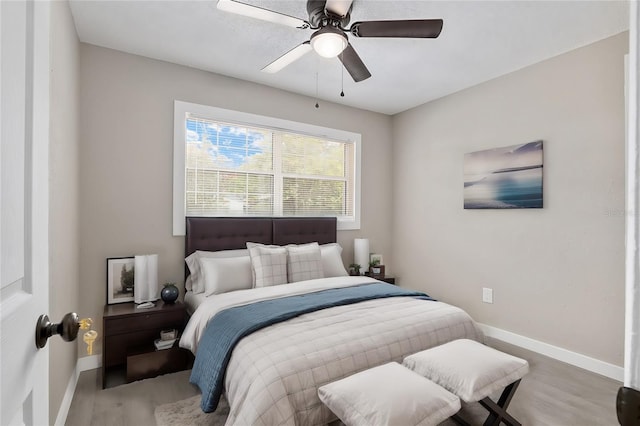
(391, 395)
(473, 372)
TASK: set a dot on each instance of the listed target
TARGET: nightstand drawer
(140, 322)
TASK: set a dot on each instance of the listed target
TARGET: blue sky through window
(227, 144)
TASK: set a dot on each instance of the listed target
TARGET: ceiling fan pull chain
(341, 77)
(317, 104)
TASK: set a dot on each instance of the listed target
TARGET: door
(24, 211)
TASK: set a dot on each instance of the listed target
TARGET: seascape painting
(504, 178)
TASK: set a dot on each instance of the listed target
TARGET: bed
(271, 374)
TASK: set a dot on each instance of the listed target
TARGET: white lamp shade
(145, 278)
(361, 253)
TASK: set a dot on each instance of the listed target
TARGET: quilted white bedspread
(273, 375)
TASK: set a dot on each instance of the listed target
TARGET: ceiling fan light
(328, 42)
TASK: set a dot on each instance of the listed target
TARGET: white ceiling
(480, 40)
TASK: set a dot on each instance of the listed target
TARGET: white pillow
(196, 284)
(304, 262)
(268, 264)
(188, 285)
(388, 395)
(332, 265)
(222, 275)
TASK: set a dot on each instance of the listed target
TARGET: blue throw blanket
(226, 328)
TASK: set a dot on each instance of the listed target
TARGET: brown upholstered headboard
(228, 233)
(302, 230)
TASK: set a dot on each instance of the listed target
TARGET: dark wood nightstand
(386, 279)
(128, 351)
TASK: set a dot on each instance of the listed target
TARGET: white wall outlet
(487, 295)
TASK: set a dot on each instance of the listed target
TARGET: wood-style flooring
(552, 394)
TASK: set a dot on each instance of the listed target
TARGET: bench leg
(459, 420)
(498, 411)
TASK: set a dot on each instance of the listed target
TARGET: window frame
(181, 109)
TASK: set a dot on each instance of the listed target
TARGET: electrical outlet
(487, 295)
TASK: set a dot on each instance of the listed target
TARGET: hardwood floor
(552, 394)
(126, 405)
(558, 394)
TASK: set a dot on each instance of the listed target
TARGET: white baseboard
(90, 362)
(585, 362)
(83, 364)
(61, 418)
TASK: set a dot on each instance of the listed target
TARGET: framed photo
(376, 266)
(376, 258)
(376, 272)
(120, 274)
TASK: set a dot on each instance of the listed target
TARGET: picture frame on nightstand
(376, 266)
(377, 271)
(120, 279)
(376, 258)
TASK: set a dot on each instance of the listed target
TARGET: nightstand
(386, 279)
(128, 351)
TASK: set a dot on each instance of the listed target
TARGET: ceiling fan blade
(260, 13)
(288, 58)
(413, 28)
(338, 7)
(354, 64)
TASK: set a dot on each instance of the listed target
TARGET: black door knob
(67, 328)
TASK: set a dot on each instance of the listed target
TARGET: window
(228, 163)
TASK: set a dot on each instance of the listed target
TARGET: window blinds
(236, 169)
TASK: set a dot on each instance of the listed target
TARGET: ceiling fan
(329, 19)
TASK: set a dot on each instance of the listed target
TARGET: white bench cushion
(388, 395)
(467, 368)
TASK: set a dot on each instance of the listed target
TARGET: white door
(24, 210)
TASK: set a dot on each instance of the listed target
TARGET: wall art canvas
(504, 178)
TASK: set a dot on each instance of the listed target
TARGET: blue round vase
(169, 293)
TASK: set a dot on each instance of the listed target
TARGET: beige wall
(558, 272)
(63, 190)
(126, 158)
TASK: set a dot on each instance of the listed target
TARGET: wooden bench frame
(497, 410)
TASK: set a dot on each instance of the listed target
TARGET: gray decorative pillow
(268, 264)
(304, 262)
